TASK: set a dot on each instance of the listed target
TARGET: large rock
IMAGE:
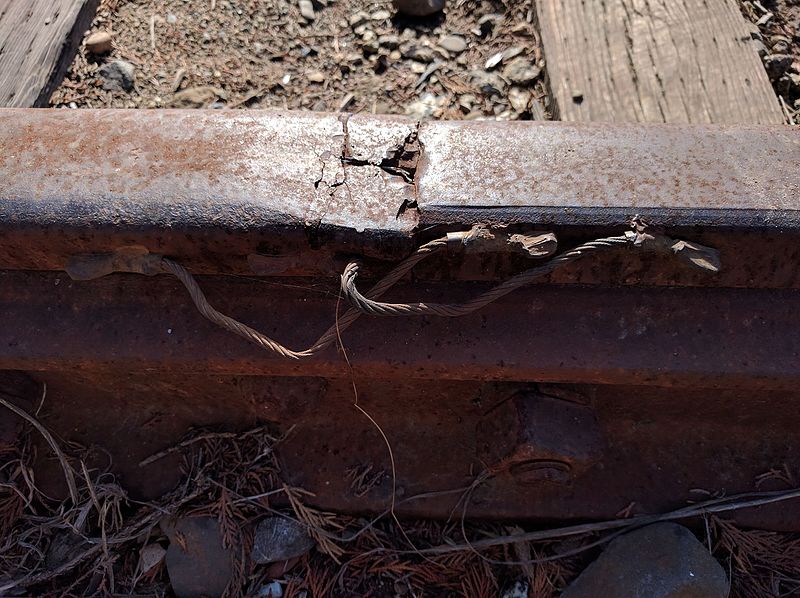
(664, 560)
(197, 563)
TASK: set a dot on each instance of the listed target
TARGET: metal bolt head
(539, 438)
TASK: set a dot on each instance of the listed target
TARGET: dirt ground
(477, 60)
(356, 56)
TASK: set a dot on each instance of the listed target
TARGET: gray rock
(466, 102)
(271, 590)
(664, 560)
(197, 563)
(427, 106)
(519, 98)
(151, 556)
(776, 64)
(117, 75)
(419, 53)
(306, 10)
(512, 52)
(381, 15)
(521, 71)
(418, 8)
(280, 539)
(357, 19)
(488, 83)
(455, 44)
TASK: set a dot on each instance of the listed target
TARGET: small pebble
(493, 61)
(780, 46)
(521, 71)
(357, 19)
(306, 9)
(99, 42)
(271, 590)
(196, 97)
(381, 15)
(454, 44)
(512, 52)
(151, 555)
(519, 98)
(172, 19)
(419, 54)
(489, 84)
(117, 75)
(760, 47)
(316, 77)
(466, 102)
(389, 41)
(427, 106)
(371, 47)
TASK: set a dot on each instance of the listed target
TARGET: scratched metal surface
(298, 194)
(598, 173)
(240, 170)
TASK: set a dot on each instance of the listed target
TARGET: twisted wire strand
(369, 305)
(328, 337)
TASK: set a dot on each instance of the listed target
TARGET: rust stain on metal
(667, 369)
(600, 165)
(536, 438)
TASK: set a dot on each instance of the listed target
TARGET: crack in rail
(401, 160)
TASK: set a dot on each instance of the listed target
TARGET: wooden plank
(673, 61)
(38, 40)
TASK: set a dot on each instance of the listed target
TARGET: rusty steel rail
(652, 378)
